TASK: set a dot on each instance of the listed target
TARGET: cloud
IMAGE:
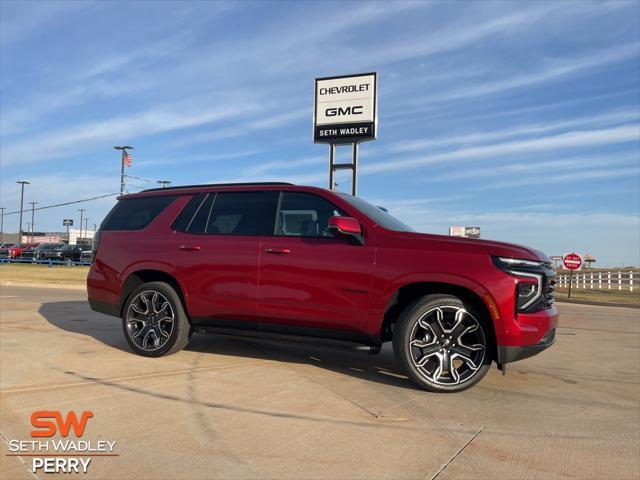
(575, 139)
(22, 19)
(557, 69)
(552, 166)
(267, 123)
(620, 116)
(82, 137)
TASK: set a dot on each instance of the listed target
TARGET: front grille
(548, 291)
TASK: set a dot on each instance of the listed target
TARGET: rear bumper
(104, 307)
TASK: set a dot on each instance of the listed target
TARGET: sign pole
(354, 178)
(570, 275)
(332, 159)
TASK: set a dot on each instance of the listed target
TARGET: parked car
(16, 250)
(38, 252)
(4, 249)
(67, 253)
(279, 260)
(86, 255)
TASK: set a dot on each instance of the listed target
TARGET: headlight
(527, 292)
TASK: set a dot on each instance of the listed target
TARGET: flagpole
(124, 152)
(122, 172)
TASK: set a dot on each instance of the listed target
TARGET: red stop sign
(572, 261)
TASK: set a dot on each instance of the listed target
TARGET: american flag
(126, 158)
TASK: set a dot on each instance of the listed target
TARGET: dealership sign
(345, 109)
(67, 222)
(572, 261)
(469, 232)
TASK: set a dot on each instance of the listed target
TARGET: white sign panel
(345, 109)
(469, 232)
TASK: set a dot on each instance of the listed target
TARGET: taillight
(94, 246)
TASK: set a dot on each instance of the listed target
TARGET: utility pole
(33, 228)
(22, 183)
(81, 210)
(123, 149)
(2, 209)
(94, 229)
(164, 183)
(86, 221)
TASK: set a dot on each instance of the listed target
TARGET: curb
(598, 304)
(63, 286)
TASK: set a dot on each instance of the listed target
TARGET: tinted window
(198, 223)
(182, 221)
(233, 213)
(243, 213)
(135, 213)
(305, 215)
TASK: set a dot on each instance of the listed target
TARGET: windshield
(379, 216)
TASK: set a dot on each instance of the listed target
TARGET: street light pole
(33, 228)
(81, 210)
(22, 183)
(123, 149)
(2, 209)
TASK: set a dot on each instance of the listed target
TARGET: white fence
(599, 280)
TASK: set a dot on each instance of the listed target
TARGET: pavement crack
(20, 458)
(458, 452)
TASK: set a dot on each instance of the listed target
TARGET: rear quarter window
(136, 213)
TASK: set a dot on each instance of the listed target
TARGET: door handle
(189, 248)
(277, 251)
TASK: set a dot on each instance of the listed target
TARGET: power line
(140, 178)
(69, 203)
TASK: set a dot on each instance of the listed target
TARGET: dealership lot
(228, 408)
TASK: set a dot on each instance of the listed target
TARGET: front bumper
(513, 353)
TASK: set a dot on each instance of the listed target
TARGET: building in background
(469, 232)
(57, 237)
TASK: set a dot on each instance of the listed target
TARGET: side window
(243, 213)
(305, 215)
(198, 223)
(136, 213)
(183, 220)
(229, 213)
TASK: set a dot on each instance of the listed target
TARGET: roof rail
(249, 184)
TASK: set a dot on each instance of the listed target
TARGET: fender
(159, 266)
(381, 300)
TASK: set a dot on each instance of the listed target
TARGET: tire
(154, 320)
(443, 344)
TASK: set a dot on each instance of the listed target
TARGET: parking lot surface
(240, 409)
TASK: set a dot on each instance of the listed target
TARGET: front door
(309, 278)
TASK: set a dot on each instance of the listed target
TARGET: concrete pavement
(227, 408)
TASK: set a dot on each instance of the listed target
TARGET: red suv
(294, 262)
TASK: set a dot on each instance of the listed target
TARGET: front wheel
(154, 320)
(442, 343)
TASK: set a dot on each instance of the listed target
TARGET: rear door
(217, 245)
(309, 278)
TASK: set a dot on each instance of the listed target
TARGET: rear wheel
(442, 343)
(154, 320)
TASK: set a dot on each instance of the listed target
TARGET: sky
(522, 118)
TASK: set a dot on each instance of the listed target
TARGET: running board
(289, 338)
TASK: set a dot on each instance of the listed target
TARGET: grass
(58, 275)
(611, 296)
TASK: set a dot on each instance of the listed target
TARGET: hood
(493, 248)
